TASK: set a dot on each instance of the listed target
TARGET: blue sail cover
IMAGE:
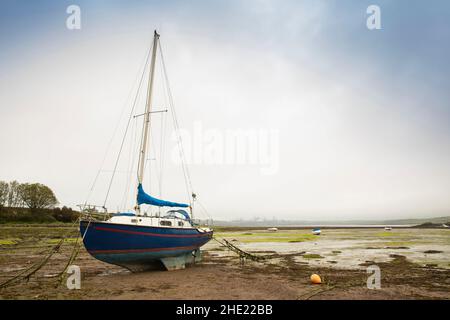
(142, 197)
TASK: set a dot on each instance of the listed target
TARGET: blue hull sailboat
(138, 241)
(138, 247)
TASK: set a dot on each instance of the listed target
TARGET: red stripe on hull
(144, 250)
(154, 234)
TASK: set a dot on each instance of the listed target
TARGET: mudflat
(413, 263)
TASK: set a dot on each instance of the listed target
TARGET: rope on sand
(328, 287)
(73, 256)
(28, 272)
(309, 295)
(31, 270)
(243, 255)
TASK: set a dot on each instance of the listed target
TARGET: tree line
(31, 203)
(26, 195)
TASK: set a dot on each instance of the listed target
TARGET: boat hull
(139, 248)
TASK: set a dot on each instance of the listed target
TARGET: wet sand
(340, 257)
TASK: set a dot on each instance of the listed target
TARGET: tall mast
(148, 109)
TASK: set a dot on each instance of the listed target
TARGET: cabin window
(165, 223)
(180, 223)
(133, 220)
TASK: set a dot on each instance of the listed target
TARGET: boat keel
(180, 262)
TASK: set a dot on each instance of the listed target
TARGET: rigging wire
(127, 127)
(135, 152)
(187, 177)
(204, 209)
(156, 161)
(147, 117)
(150, 159)
(145, 62)
(162, 145)
(163, 126)
(169, 100)
(158, 166)
(162, 155)
(130, 164)
(188, 180)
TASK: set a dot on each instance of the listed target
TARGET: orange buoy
(315, 279)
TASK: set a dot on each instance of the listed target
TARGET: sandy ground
(283, 275)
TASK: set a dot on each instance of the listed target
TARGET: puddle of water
(109, 272)
(349, 248)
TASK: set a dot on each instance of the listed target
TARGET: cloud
(362, 117)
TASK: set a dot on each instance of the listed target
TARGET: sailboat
(138, 241)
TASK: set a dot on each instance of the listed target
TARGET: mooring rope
(242, 254)
(329, 286)
(31, 270)
(264, 259)
(34, 268)
(74, 254)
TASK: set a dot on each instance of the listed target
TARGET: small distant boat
(316, 232)
(272, 229)
(387, 228)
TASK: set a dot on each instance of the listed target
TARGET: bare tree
(37, 196)
(4, 191)
(13, 194)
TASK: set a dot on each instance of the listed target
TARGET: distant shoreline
(327, 226)
(324, 227)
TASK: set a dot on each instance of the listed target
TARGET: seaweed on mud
(312, 256)
(400, 277)
(432, 251)
(8, 242)
(431, 265)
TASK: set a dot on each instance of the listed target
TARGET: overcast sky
(357, 121)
